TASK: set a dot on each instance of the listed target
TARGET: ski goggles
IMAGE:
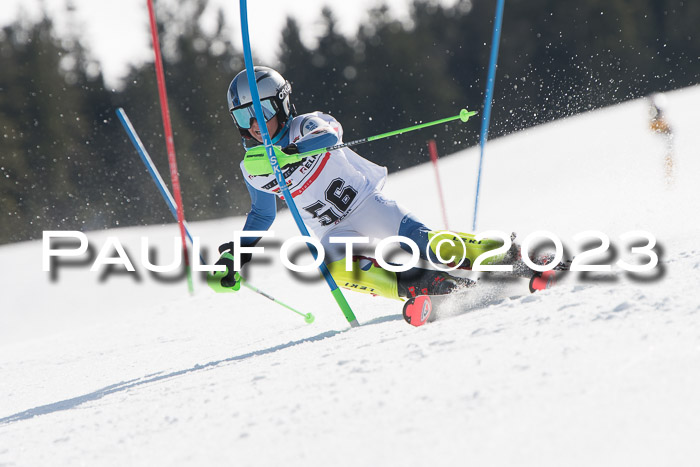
(245, 114)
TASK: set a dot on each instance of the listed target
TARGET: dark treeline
(66, 163)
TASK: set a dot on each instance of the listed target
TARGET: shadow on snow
(126, 385)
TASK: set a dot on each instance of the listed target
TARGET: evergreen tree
(66, 163)
(44, 124)
(198, 67)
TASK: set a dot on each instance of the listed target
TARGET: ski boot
(418, 285)
(514, 258)
(538, 280)
(419, 281)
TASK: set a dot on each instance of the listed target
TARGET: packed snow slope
(120, 369)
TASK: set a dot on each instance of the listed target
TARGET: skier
(659, 125)
(338, 194)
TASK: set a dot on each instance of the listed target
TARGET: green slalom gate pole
(165, 193)
(464, 115)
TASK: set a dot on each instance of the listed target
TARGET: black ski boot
(417, 281)
(514, 257)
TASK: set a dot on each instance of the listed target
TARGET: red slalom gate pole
(432, 147)
(169, 141)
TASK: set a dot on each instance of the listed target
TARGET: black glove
(290, 149)
(226, 259)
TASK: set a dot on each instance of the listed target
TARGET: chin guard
(256, 161)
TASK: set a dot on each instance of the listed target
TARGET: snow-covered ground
(601, 370)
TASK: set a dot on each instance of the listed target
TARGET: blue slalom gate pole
(279, 176)
(486, 117)
(148, 162)
(170, 201)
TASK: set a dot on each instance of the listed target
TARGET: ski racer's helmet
(274, 93)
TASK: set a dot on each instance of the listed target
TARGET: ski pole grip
(464, 114)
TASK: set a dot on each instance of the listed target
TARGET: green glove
(228, 280)
(224, 281)
(257, 163)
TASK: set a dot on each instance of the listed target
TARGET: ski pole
(162, 187)
(308, 317)
(464, 115)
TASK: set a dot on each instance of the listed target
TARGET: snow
(600, 370)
